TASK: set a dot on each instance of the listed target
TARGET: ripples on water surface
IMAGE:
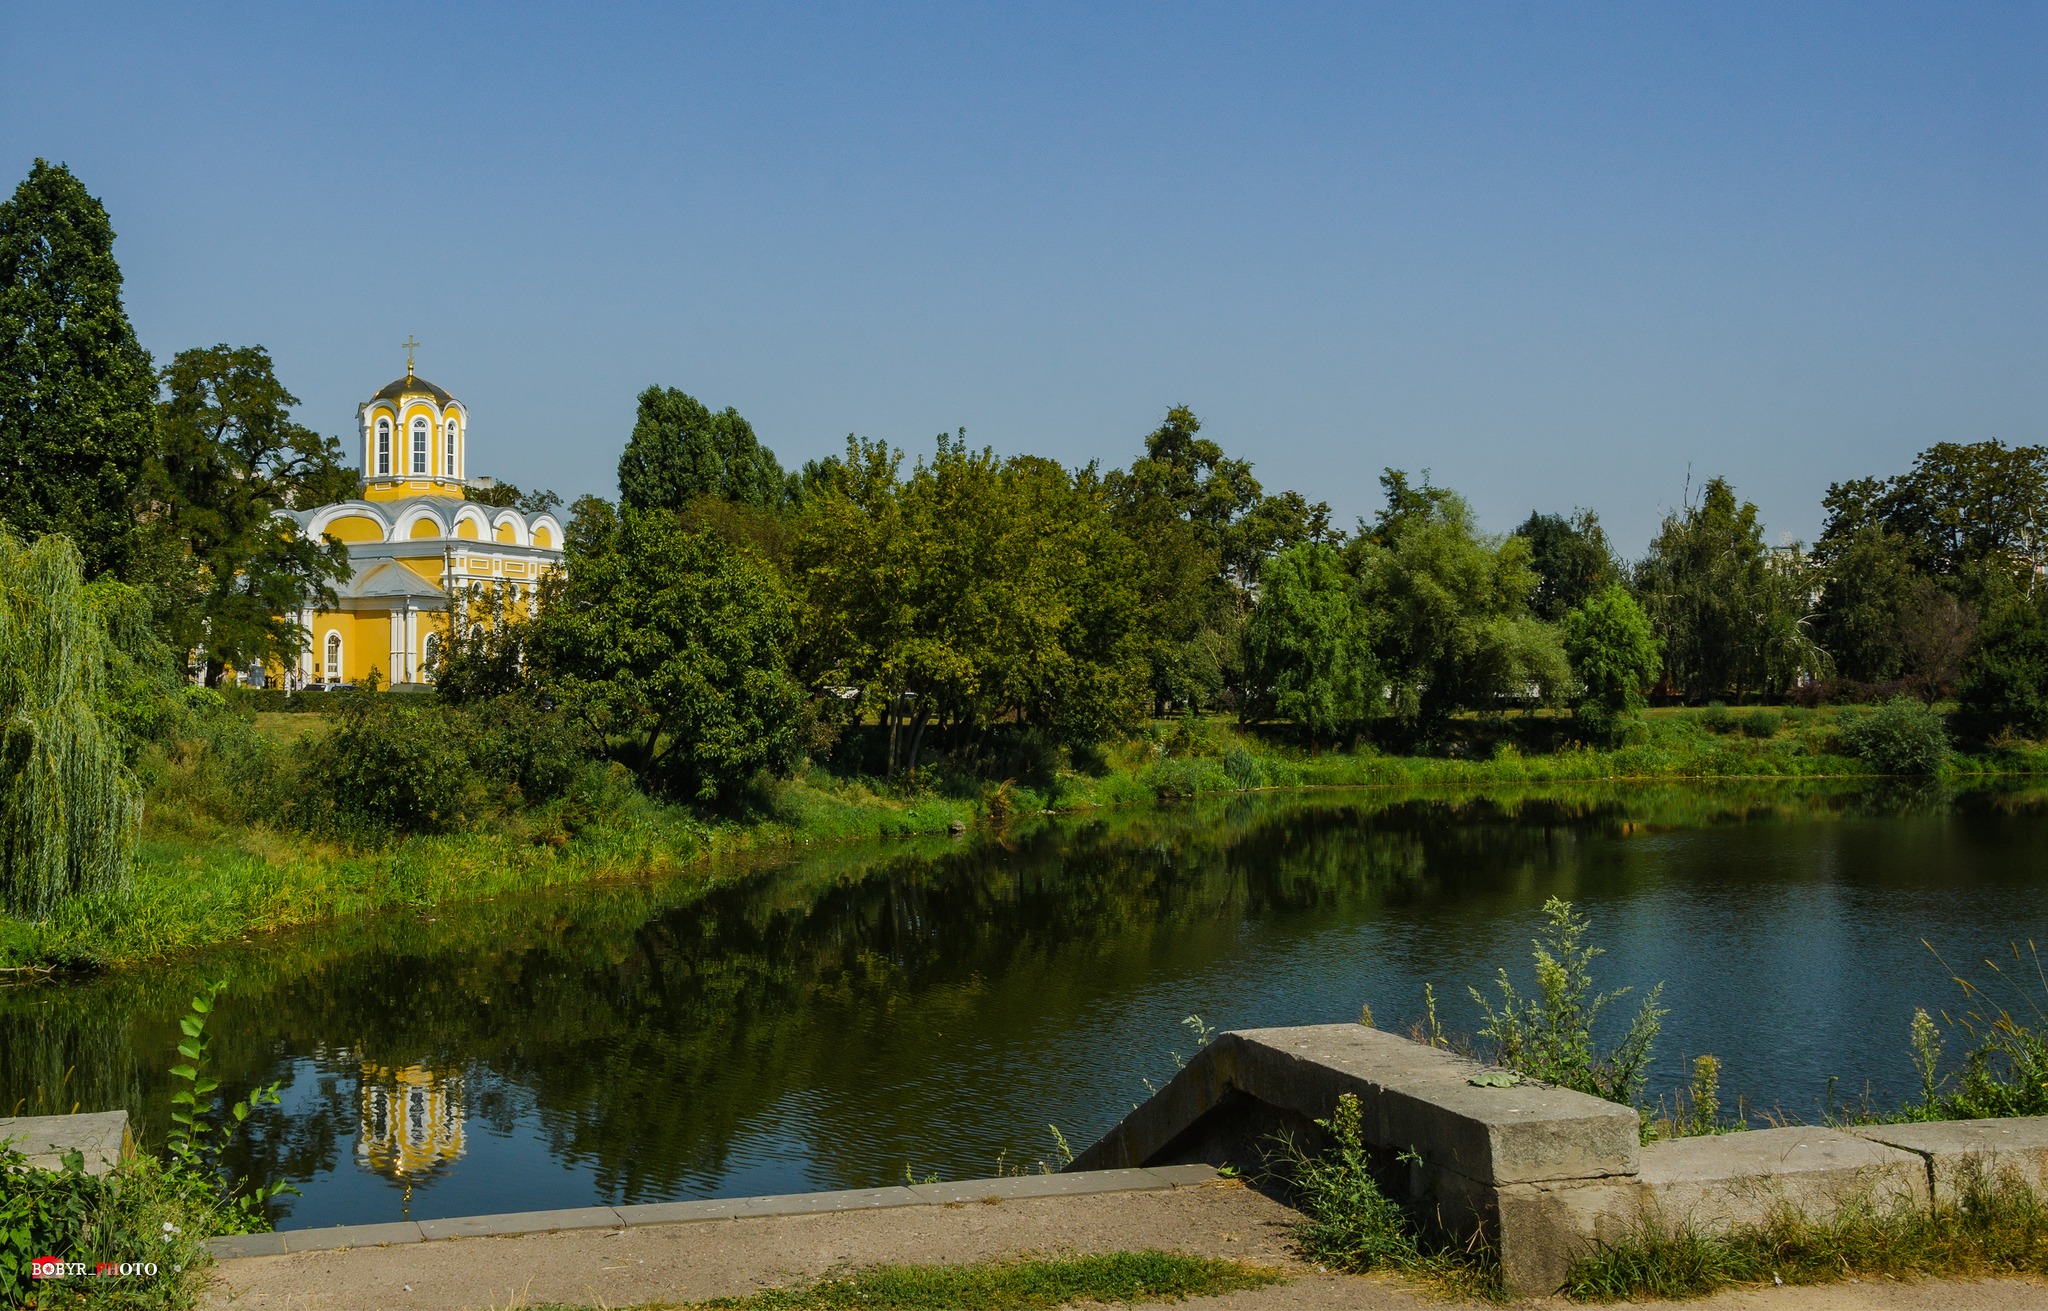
(935, 1005)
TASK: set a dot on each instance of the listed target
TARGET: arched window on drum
(419, 445)
(383, 448)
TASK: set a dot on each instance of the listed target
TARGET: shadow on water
(932, 1005)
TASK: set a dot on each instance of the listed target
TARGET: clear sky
(1558, 254)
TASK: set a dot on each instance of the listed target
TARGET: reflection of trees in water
(647, 1028)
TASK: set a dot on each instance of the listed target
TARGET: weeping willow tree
(69, 806)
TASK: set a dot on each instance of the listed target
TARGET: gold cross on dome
(410, 346)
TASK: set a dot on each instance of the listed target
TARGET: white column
(412, 643)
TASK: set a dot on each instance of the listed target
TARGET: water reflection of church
(411, 1121)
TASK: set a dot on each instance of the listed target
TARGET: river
(932, 1007)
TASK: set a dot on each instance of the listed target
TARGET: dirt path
(673, 1263)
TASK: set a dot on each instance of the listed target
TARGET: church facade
(422, 555)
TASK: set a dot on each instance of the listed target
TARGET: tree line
(723, 617)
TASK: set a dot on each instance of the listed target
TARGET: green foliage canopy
(1614, 655)
(1732, 617)
(1308, 647)
(680, 451)
(75, 385)
(1571, 559)
(672, 647)
(976, 588)
(1450, 607)
(69, 806)
(229, 462)
(2004, 685)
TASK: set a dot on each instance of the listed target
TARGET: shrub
(1762, 723)
(1242, 768)
(2005, 681)
(390, 764)
(1350, 1224)
(1716, 719)
(538, 751)
(1902, 736)
(1549, 1035)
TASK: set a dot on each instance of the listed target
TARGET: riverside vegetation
(734, 655)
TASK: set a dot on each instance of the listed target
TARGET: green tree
(1731, 614)
(1450, 608)
(1614, 655)
(1571, 559)
(1203, 527)
(229, 463)
(671, 646)
(976, 589)
(507, 496)
(2004, 686)
(69, 806)
(75, 386)
(680, 451)
(1307, 647)
(1974, 512)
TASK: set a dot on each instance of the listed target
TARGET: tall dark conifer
(76, 388)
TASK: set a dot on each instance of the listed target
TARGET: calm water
(936, 1005)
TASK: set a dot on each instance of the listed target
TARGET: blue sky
(1560, 255)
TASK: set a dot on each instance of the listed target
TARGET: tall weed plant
(1548, 1034)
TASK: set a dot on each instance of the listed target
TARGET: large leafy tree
(1731, 614)
(1613, 653)
(1450, 607)
(1869, 580)
(680, 451)
(69, 806)
(75, 386)
(1204, 527)
(1308, 646)
(229, 462)
(975, 589)
(1974, 512)
(1571, 559)
(2004, 686)
(672, 647)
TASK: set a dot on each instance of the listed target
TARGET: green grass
(198, 881)
(1023, 1285)
(1994, 1227)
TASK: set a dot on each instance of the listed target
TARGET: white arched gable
(470, 514)
(521, 534)
(552, 524)
(327, 514)
(402, 530)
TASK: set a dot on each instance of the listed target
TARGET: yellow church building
(422, 555)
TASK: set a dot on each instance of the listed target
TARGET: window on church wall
(419, 445)
(383, 448)
(334, 657)
(448, 458)
(430, 651)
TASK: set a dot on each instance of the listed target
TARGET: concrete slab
(671, 1213)
(1183, 1176)
(342, 1237)
(1953, 1149)
(101, 1137)
(1725, 1180)
(1414, 1098)
(227, 1249)
(1041, 1185)
(522, 1222)
(851, 1199)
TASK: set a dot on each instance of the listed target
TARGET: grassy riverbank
(200, 881)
